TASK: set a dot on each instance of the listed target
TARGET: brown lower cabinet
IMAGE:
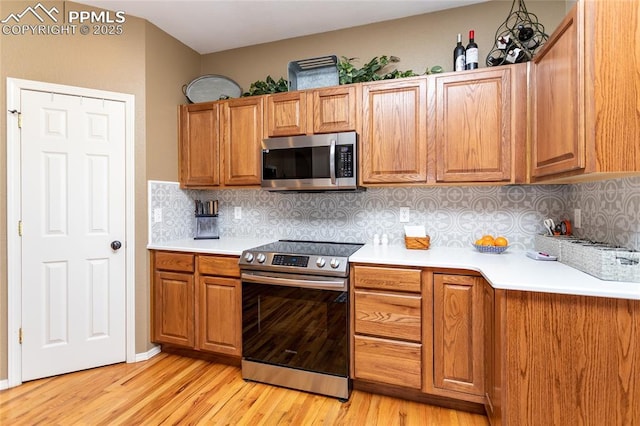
(387, 324)
(531, 358)
(444, 337)
(197, 302)
(564, 360)
(420, 330)
(458, 336)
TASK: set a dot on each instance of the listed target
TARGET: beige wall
(143, 61)
(169, 65)
(420, 41)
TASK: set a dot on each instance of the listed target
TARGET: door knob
(115, 245)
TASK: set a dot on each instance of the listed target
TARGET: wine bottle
(471, 52)
(459, 57)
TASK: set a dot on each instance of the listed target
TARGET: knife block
(207, 227)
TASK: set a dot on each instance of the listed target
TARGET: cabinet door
(242, 135)
(458, 335)
(199, 145)
(388, 361)
(220, 315)
(558, 143)
(174, 308)
(334, 109)
(479, 121)
(287, 114)
(394, 142)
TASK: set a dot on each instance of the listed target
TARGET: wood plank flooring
(169, 389)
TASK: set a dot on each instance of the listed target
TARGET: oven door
(296, 321)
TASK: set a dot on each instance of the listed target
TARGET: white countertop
(225, 246)
(511, 270)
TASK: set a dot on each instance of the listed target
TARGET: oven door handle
(295, 281)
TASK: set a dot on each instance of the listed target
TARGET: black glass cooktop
(315, 248)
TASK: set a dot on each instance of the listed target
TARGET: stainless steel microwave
(325, 162)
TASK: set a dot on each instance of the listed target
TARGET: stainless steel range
(295, 315)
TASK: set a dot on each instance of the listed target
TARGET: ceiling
(209, 26)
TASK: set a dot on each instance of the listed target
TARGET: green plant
(371, 71)
(347, 74)
(269, 85)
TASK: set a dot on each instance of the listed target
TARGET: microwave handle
(332, 161)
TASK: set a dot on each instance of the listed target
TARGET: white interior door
(73, 208)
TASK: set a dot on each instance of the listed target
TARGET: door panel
(73, 206)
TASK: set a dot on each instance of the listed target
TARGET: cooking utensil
(550, 225)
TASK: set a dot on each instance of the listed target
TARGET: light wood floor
(169, 389)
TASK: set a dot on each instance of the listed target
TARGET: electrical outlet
(237, 213)
(577, 218)
(404, 214)
(157, 215)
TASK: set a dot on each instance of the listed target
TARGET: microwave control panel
(344, 161)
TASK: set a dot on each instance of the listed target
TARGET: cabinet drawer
(216, 265)
(388, 361)
(394, 279)
(396, 316)
(181, 262)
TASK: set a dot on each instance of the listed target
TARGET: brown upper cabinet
(584, 105)
(313, 111)
(242, 126)
(393, 141)
(477, 125)
(199, 145)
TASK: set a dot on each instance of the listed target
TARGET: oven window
(295, 327)
(296, 163)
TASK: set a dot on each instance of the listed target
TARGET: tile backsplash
(610, 211)
(453, 216)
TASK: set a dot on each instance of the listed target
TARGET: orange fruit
(487, 240)
(479, 242)
(501, 242)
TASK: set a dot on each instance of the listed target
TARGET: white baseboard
(4, 384)
(145, 356)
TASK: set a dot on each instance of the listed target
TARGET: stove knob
(248, 257)
(261, 257)
(334, 263)
(321, 262)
